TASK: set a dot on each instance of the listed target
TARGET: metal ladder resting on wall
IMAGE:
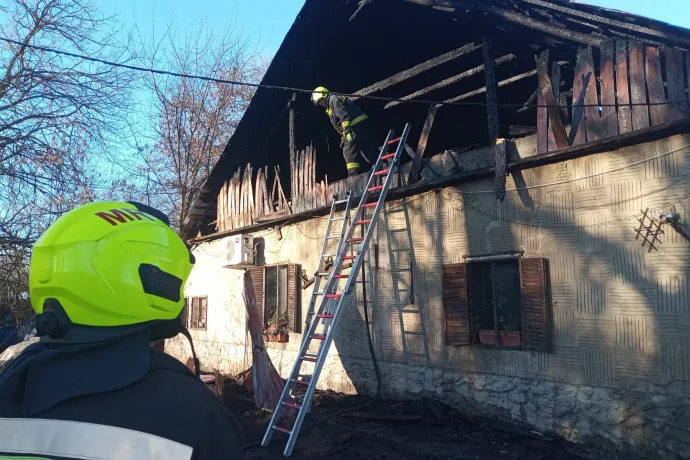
(332, 300)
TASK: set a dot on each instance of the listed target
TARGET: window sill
(499, 347)
(279, 338)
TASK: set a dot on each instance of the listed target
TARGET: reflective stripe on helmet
(346, 124)
(87, 441)
(353, 165)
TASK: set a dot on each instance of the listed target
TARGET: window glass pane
(282, 290)
(481, 298)
(507, 294)
(271, 293)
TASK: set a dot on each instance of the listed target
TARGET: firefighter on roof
(356, 137)
(107, 279)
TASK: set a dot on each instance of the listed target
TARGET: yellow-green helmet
(318, 94)
(110, 264)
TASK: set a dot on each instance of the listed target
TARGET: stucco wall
(621, 315)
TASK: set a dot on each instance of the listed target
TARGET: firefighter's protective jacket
(343, 113)
(116, 401)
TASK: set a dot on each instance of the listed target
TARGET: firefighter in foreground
(356, 137)
(107, 279)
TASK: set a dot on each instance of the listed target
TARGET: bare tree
(194, 118)
(56, 113)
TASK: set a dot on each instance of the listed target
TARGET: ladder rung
(341, 202)
(333, 237)
(337, 218)
(341, 277)
(393, 141)
(382, 172)
(317, 337)
(324, 273)
(370, 205)
(325, 315)
(281, 429)
(292, 405)
(388, 157)
(376, 189)
(309, 358)
(329, 255)
(363, 222)
(318, 293)
(355, 240)
(333, 296)
(349, 257)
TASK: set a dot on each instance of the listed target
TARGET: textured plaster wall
(619, 371)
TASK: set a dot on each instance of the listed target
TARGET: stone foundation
(651, 420)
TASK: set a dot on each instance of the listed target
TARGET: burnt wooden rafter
(421, 146)
(418, 69)
(555, 125)
(491, 90)
(451, 80)
(541, 26)
(608, 22)
(502, 83)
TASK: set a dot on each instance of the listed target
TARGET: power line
(309, 91)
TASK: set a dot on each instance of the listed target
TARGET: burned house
(532, 261)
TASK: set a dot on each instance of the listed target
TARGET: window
(498, 303)
(197, 316)
(277, 289)
(184, 316)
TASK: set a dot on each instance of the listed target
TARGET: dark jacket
(108, 387)
(343, 113)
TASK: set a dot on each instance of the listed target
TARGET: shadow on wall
(620, 315)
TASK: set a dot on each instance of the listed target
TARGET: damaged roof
(411, 49)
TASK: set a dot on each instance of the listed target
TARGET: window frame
(196, 307)
(535, 307)
(494, 304)
(293, 294)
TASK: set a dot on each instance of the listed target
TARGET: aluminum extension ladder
(332, 299)
(321, 271)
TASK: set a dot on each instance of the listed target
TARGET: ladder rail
(306, 341)
(354, 271)
(334, 302)
(325, 346)
(338, 262)
(324, 247)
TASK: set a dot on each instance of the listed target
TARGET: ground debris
(387, 430)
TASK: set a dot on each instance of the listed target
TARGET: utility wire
(310, 91)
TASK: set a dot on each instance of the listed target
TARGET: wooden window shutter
(257, 274)
(534, 304)
(194, 323)
(294, 300)
(456, 305)
(203, 313)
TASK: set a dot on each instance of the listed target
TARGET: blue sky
(267, 21)
(672, 11)
(264, 21)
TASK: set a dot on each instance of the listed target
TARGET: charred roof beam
(451, 80)
(501, 84)
(609, 22)
(541, 26)
(418, 69)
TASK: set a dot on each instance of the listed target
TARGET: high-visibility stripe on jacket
(42, 438)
